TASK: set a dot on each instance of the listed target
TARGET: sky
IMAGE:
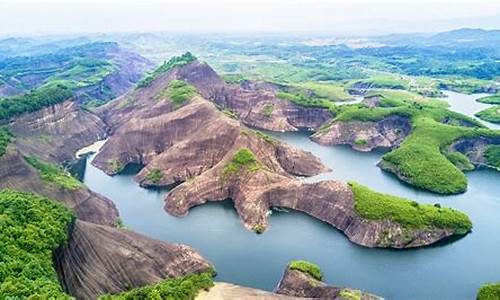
(346, 17)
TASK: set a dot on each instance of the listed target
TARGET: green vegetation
(32, 228)
(54, 174)
(383, 81)
(178, 92)
(267, 110)
(5, 137)
(465, 85)
(115, 166)
(494, 99)
(265, 137)
(243, 161)
(489, 291)
(184, 288)
(305, 101)
(491, 114)
(233, 78)
(306, 267)
(411, 215)
(175, 61)
(360, 142)
(333, 91)
(154, 175)
(492, 155)
(34, 100)
(230, 113)
(460, 161)
(350, 294)
(259, 228)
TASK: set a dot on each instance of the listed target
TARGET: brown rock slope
(99, 259)
(365, 135)
(255, 104)
(17, 174)
(55, 133)
(299, 283)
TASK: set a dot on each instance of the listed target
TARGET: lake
(448, 271)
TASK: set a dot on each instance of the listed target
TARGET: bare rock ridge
(299, 283)
(100, 259)
(55, 133)
(17, 174)
(256, 104)
(210, 156)
(365, 136)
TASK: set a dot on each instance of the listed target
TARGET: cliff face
(100, 259)
(474, 149)
(17, 174)
(300, 284)
(365, 136)
(55, 133)
(256, 104)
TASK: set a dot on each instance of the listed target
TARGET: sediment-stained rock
(100, 259)
(55, 133)
(301, 284)
(365, 135)
(17, 174)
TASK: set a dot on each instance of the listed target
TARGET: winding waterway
(450, 271)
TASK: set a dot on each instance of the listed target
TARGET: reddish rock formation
(17, 174)
(364, 135)
(301, 284)
(99, 259)
(55, 133)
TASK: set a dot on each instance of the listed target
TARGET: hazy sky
(336, 17)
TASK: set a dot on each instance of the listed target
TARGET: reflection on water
(449, 271)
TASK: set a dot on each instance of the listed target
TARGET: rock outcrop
(229, 291)
(55, 133)
(365, 135)
(17, 174)
(474, 148)
(100, 259)
(301, 284)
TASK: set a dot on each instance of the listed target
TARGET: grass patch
(489, 291)
(184, 288)
(410, 214)
(54, 174)
(382, 81)
(32, 228)
(306, 267)
(460, 160)
(360, 142)
(154, 175)
(332, 90)
(494, 99)
(492, 156)
(243, 160)
(5, 138)
(178, 92)
(175, 61)
(267, 110)
(350, 294)
(115, 166)
(265, 137)
(491, 114)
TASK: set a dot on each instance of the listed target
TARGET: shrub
(243, 161)
(360, 142)
(410, 214)
(5, 137)
(489, 292)
(268, 110)
(306, 267)
(492, 155)
(54, 174)
(183, 288)
(491, 114)
(32, 228)
(154, 175)
(178, 91)
(175, 61)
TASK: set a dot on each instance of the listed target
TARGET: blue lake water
(450, 271)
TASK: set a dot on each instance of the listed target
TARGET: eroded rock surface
(365, 135)
(100, 259)
(55, 133)
(474, 149)
(17, 174)
(300, 284)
